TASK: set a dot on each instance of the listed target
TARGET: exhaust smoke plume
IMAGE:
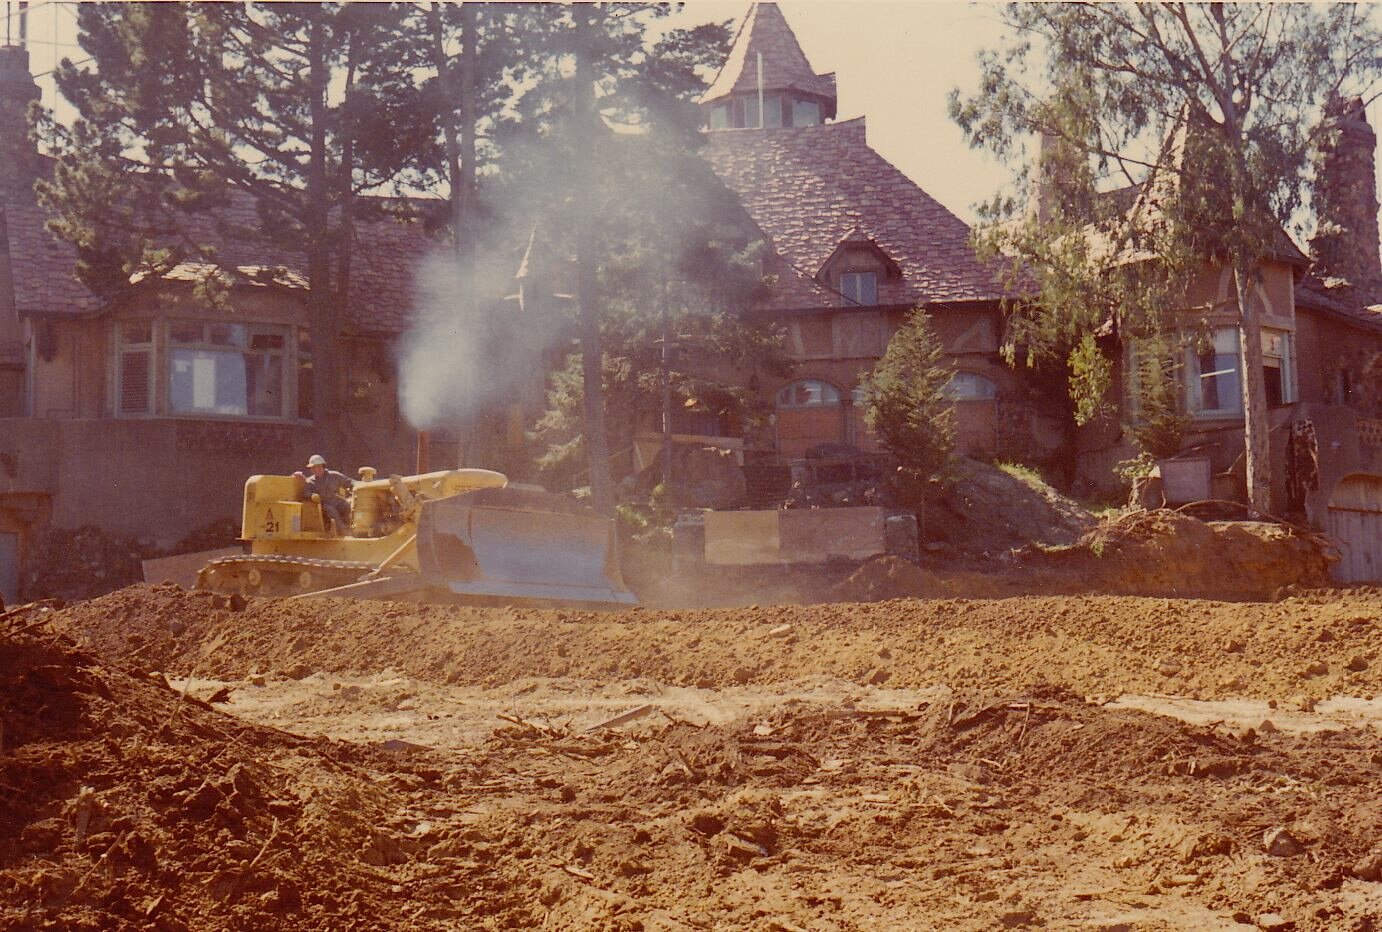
(440, 358)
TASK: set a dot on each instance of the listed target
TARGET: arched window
(970, 386)
(808, 393)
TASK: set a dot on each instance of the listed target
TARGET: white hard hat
(317, 460)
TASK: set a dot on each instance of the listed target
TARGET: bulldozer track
(278, 574)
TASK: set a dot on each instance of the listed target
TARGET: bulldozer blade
(519, 544)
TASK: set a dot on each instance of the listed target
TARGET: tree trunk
(465, 197)
(461, 172)
(1256, 430)
(321, 301)
(448, 123)
(345, 185)
(592, 353)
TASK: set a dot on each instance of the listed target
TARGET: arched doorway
(809, 411)
(1355, 521)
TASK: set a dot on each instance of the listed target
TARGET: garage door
(1355, 521)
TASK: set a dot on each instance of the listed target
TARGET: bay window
(1214, 372)
(209, 368)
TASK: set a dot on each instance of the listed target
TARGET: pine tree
(181, 105)
(602, 155)
(905, 401)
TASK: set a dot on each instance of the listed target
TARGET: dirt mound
(979, 508)
(125, 805)
(1305, 645)
(1167, 553)
(952, 777)
(887, 577)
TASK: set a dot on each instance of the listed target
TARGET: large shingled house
(857, 246)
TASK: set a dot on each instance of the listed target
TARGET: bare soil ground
(1104, 762)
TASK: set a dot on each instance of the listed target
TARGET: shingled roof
(44, 277)
(810, 188)
(1349, 305)
(764, 31)
(383, 263)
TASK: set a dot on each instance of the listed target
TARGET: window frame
(1195, 376)
(858, 276)
(773, 102)
(816, 120)
(1193, 384)
(123, 347)
(955, 398)
(1287, 364)
(824, 389)
(161, 354)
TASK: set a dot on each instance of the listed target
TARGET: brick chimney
(1345, 244)
(19, 159)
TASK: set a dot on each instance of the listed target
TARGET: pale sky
(895, 63)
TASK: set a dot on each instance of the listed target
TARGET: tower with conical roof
(856, 245)
(766, 82)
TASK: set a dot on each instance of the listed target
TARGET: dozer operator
(452, 535)
(328, 488)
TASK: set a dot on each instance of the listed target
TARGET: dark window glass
(859, 288)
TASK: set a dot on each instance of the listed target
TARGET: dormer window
(859, 289)
(806, 113)
(719, 116)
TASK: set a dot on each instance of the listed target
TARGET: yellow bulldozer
(454, 535)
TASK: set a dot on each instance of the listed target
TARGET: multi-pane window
(806, 113)
(134, 350)
(214, 368)
(772, 111)
(859, 288)
(1214, 387)
(742, 112)
(808, 393)
(220, 368)
(1277, 368)
(970, 386)
(1214, 372)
